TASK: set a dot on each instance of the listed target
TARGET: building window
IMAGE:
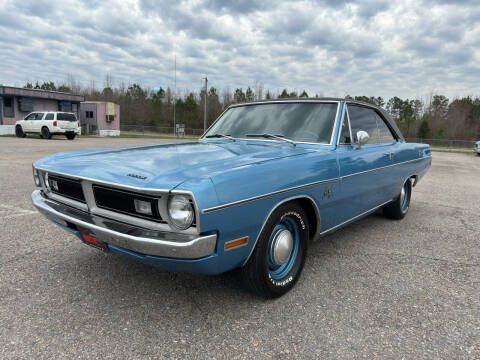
(109, 118)
(89, 114)
(8, 107)
(65, 106)
(25, 104)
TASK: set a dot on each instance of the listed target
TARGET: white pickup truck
(48, 123)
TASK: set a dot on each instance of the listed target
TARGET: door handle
(389, 154)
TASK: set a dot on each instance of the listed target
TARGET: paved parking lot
(376, 289)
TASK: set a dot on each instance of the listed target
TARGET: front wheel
(277, 261)
(19, 132)
(398, 209)
(46, 133)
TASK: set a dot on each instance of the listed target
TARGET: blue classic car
(264, 180)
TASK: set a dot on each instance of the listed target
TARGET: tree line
(436, 117)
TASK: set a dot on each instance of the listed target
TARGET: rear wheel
(19, 132)
(70, 136)
(277, 261)
(399, 208)
(46, 133)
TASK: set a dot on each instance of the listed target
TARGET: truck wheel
(399, 208)
(19, 132)
(277, 261)
(46, 133)
(70, 136)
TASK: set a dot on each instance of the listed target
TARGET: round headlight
(180, 211)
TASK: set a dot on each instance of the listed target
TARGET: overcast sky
(331, 47)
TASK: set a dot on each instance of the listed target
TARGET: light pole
(174, 95)
(205, 110)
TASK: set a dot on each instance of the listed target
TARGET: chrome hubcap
(282, 246)
(402, 195)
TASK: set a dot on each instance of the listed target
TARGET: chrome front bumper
(144, 241)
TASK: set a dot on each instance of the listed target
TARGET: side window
(39, 116)
(362, 118)
(384, 134)
(30, 116)
(49, 116)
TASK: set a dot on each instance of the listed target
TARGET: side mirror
(362, 138)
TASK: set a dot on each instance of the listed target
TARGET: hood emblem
(137, 176)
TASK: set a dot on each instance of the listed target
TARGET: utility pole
(175, 96)
(205, 112)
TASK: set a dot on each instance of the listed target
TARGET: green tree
(48, 86)
(439, 106)
(214, 106)
(284, 94)
(157, 104)
(424, 129)
(304, 94)
(239, 96)
(64, 88)
(249, 94)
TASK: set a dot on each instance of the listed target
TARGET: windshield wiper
(220, 136)
(272, 136)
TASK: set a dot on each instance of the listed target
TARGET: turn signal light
(235, 243)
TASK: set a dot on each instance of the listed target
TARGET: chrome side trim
(220, 207)
(144, 241)
(341, 124)
(365, 213)
(234, 203)
(317, 214)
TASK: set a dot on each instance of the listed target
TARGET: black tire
(70, 136)
(19, 132)
(398, 209)
(258, 274)
(46, 133)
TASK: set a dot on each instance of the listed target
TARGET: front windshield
(303, 121)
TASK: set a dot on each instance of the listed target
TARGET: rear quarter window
(66, 117)
(49, 116)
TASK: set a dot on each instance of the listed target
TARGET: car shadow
(54, 137)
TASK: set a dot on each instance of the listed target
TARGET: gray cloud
(329, 47)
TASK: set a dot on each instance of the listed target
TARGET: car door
(364, 170)
(48, 120)
(37, 123)
(27, 122)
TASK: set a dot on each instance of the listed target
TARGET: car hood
(168, 165)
